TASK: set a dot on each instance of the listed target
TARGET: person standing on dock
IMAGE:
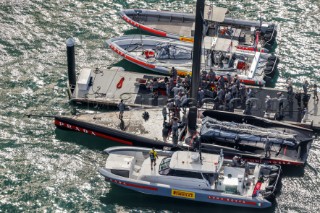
(267, 149)
(155, 88)
(290, 91)
(164, 113)
(174, 73)
(298, 97)
(121, 107)
(229, 80)
(315, 92)
(174, 127)
(268, 104)
(281, 100)
(153, 157)
(165, 131)
(200, 97)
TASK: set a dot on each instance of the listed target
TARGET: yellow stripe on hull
(186, 39)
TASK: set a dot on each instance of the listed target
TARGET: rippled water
(44, 169)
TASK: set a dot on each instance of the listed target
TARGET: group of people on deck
(301, 96)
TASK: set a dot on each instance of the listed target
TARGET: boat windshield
(164, 166)
(169, 51)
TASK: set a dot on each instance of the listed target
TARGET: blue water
(44, 169)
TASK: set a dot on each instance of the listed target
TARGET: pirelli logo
(185, 194)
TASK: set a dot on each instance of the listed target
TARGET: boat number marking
(232, 200)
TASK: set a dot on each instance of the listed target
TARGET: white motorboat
(193, 176)
(161, 54)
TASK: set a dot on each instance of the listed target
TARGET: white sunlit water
(43, 169)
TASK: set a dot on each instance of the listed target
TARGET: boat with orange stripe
(161, 54)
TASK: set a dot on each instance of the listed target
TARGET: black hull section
(108, 133)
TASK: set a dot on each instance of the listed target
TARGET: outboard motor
(269, 33)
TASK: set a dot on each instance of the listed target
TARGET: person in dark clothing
(174, 73)
(298, 97)
(290, 92)
(315, 92)
(121, 107)
(305, 87)
(267, 148)
(305, 100)
(165, 131)
(281, 100)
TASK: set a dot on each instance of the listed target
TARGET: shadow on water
(89, 141)
(128, 66)
(289, 171)
(137, 32)
(135, 200)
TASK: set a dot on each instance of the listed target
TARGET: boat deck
(104, 89)
(308, 116)
(132, 122)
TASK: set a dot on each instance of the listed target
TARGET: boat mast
(197, 49)
(196, 66)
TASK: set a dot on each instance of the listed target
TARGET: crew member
(174, 126)
(281, 100)
(267, 149)
(290, 92)
(165, 131)
(164, 113)
(121, 107)
(153, 157)
(268, 104)
(298, 97)
(236, 161)
(174, 73)
(315, 92)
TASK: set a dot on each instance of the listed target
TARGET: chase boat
(193, 176)
(249, 35)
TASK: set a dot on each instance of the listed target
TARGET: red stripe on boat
(114, 139)
(245, 48)
(90, 132)
(132, 59)
(134, 185)
(143, 27)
